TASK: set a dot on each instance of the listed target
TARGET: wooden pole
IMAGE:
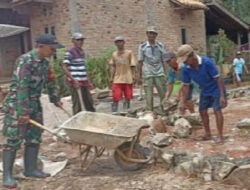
(75, 27)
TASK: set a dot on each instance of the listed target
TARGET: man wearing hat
(151, 67)
(203, 71)
(22, 103)
(238, 65)
(122, 74)
(173, 74)
(75, 69)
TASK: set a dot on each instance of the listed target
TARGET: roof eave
(227, 12)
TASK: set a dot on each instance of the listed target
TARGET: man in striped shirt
(75, 70)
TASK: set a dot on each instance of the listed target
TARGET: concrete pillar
(74, 17)
(150, 12)
(248, 40)
(239, 39)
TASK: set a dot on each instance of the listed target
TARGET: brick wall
(102, 20)
(43, 16)
(9, 51)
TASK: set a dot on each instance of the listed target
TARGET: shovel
(40, 126)
(65, 111)
(79, 92)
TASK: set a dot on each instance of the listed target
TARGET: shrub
(97, 68)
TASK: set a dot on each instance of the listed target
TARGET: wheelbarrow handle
(39, 125)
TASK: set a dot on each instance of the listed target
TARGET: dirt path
(104, 174)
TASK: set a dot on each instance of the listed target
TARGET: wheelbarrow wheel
(137, 153)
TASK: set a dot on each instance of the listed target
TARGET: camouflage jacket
(31, 75)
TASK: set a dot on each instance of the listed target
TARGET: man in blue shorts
(173, 74)
(203, 71)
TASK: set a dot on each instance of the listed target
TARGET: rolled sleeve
(51, 87)
(67, 58)
(171, 77)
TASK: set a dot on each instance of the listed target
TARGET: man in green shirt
(152, 67)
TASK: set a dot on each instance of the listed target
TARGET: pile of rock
(217, 167)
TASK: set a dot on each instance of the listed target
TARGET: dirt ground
(104, 174)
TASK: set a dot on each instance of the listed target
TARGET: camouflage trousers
(16, 133)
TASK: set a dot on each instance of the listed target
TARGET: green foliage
(98, 68)
(56, 65)
(240, 8)
(220, 48)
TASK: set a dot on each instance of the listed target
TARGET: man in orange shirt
(122, 74)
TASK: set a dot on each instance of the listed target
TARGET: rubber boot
(126, 105)
(114, 108)
(30, 162)
(8, 162)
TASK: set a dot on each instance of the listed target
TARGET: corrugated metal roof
(11, 30)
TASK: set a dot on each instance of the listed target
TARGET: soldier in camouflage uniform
(22, 103)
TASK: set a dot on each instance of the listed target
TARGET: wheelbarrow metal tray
(99, 129)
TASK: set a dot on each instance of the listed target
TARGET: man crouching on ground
(203, 71)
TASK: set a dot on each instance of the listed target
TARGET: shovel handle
(79, 92)
(65, 111)
(39, 125)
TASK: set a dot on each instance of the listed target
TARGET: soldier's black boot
(8, 162)
(114, 108)
(30, 162)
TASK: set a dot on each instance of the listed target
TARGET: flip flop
(206, 138)
(219, 142)
(202, 138)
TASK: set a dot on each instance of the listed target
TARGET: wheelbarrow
(95, 132)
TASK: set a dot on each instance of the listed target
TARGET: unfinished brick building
(177, 21)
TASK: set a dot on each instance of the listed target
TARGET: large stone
(161, 139)
(147, 115)
(185, 168)
(244, 124)
(206, 171)
(169, 105)
(194, 119)
(170, 120)
(168, 159)
(239, 176)
(101, 93)
(222, 170)
(182, 128)
(158, 125)
(242, 161)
